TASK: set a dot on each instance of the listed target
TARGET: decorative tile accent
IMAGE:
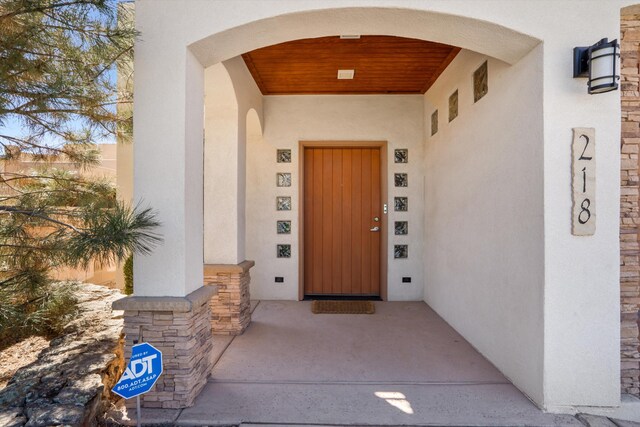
(284, 227)
(284, 251)
(434, 123)
(283, 203)
(401, 204)
(402, 228)
(283, 179)
(284, 156)
(401, 155)
(480, 82)
(401, 179)
(453, 106)
(400, 251)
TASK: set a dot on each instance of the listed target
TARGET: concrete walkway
(402, 365)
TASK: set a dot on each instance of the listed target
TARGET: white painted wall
(581, 317)
(230, 92)
(290, 119)
(582, 273)
(484, 218)
(168, 124)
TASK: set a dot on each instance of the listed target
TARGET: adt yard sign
(142, 372)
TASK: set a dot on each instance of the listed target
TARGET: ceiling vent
(345, 74)
(350, 36)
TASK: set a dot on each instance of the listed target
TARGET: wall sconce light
(599, 63)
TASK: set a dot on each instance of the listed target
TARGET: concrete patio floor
(401, 366)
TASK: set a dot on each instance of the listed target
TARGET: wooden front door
(342, 221)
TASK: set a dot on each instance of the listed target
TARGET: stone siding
(181, 329)
(629, 208)
(231, 307)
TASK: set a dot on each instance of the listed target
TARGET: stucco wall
(581, 297)
(484, 228)
(290, 119)
(230, 92)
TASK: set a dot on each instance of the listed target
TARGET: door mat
(342, 307)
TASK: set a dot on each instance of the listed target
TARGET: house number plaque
(584, 182)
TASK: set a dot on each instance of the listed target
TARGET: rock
(50, 415)
(12, 417)
(71, 378)
(81, 391)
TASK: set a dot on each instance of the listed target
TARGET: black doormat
(342, 307)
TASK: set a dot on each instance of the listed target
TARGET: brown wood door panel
(342, 195)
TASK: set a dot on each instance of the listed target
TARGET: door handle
(375, 229)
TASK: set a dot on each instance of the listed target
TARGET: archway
(196, 36)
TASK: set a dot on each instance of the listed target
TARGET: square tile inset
(283, 179)
(400, 251)
(453, 106)
(401, 204)
(401, 179)
(284, 227)
(284, 251)
(480, 82)
(284, 156)
(434, 123)
(401, 155)
(283, 203)
(401, 228)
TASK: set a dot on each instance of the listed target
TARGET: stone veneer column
(180, 328)
(629, 206)
(231, 306)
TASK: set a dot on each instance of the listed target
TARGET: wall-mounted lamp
(599, 63)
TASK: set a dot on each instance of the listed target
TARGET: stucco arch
(478, 35)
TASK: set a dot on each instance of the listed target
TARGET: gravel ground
(18, 355)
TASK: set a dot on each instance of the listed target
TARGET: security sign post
(143, 370)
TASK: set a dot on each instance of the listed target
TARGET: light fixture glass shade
(603, 66)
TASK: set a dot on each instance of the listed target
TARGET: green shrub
(128, 275)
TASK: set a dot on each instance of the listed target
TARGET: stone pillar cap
(175, 304)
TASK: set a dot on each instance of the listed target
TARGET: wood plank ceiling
(382, 64)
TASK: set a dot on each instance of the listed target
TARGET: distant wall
(290, 119)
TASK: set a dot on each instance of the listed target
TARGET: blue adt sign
(142, 372)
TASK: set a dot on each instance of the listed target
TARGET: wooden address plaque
(584, 182)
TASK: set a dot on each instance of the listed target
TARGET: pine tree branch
(33, 213)
(45, 8)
